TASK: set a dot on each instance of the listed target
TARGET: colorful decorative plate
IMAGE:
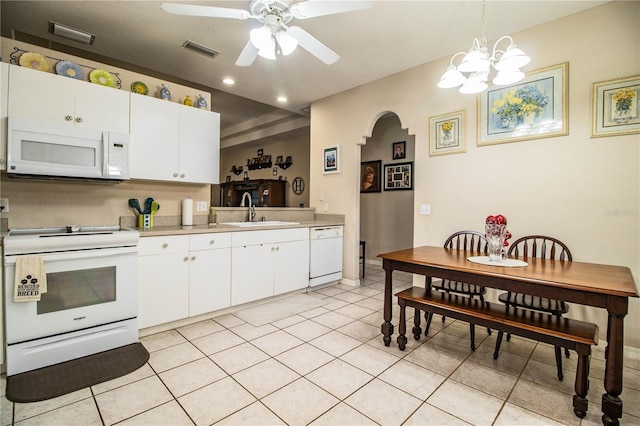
(69, 69)
(140, 88)
(35, 61)
(102, 77)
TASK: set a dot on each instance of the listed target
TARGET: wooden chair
(543, 247)
(462, 240)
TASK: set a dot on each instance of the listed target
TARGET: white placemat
(504, 262)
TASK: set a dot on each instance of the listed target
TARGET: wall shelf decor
(236, 170)
(284, 164)
(262, 162)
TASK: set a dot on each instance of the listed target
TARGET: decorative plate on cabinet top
(69, 69)
(102, 77)
(140, 88)
(34, 60)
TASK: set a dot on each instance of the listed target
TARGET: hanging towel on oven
(31, 279)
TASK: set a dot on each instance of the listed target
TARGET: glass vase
(495, 234)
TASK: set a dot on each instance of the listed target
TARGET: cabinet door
(100, 107)
(41, 95)
(154, 138)
(251, 273)
(4, 96)
(163, 288)
(209, 281)
(291, 266)
(199, 146)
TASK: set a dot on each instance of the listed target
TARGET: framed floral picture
(448, 133)
(398, 176)
(331, 160)
(615, 107)
(536, 107)
(370, 176)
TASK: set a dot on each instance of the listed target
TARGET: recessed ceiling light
(281, 99)
(228, 81)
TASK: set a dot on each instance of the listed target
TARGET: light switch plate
(425, 208)
(201, 206)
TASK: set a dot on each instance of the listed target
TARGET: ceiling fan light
(477, 60)
(268, 53)
(451, 78)
(514, 58)
(287, 43)
(508, 77)
(261, 38)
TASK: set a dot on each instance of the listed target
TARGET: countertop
(205, 229)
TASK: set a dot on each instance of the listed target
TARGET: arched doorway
(386, 215)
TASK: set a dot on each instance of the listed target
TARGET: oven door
(85, 289)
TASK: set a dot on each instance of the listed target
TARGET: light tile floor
(327, 365)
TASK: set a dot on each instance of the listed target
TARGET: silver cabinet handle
(78, 119)
(193, 258)
(186, 258)
(212, 242)
(175, 175)
(68, 117)
(182, 175)
(165, 245)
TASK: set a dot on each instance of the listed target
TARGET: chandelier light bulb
(508, 77)
(451, 78)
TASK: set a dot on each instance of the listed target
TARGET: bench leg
(496, 351)
(402, 327)
(580, 401)
(428, 316)
(472, 333)
(417, 331)
(558, 351)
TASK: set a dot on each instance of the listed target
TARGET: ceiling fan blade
(248, 55)
(313, 45)
(311, 8)
(207, 11)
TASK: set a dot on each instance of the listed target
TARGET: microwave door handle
(105, 154)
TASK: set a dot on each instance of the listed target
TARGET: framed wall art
(534, 108)
(615, 107)
(370, 176)
(398, 176)
(331, 160)
(399, 150)
(447, 133)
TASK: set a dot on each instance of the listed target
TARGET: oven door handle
(77, 255)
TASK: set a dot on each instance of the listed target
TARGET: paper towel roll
(187, 212)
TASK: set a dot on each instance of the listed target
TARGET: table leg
(611, 402)
(387, 327)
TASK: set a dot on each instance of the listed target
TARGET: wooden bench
(558, 331)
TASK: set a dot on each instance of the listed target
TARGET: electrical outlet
(325, 207)
(425, 208)
(4, 205)
(201, 206)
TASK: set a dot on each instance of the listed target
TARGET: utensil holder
(145, 221)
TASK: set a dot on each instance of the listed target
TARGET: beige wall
(563, 186)
(296, 146)
(386, 217)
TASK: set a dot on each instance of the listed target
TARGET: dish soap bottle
(213, 218)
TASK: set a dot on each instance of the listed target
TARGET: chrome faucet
(252, 209)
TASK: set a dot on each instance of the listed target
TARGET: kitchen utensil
(154, 207)
(134, 203)
(147, 205)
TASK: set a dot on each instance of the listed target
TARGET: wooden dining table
(602, 286)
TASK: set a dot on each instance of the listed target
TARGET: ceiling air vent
(198, 48)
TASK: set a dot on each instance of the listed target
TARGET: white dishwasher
(325, 251)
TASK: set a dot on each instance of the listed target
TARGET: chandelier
(473, 71)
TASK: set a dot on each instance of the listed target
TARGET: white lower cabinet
(267, 263)
(182, 276)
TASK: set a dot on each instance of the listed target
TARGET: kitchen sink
(259, 223)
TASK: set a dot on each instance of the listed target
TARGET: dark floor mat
(59, 379)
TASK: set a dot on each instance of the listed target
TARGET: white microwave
(43, 149)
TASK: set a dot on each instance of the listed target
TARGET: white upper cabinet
(173, 142)
(4, 94)
(51, 97)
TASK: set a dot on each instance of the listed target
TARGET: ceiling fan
(275, 37)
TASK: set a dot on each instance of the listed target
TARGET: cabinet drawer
(161, 245)
(248, 238)
(210, 241)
